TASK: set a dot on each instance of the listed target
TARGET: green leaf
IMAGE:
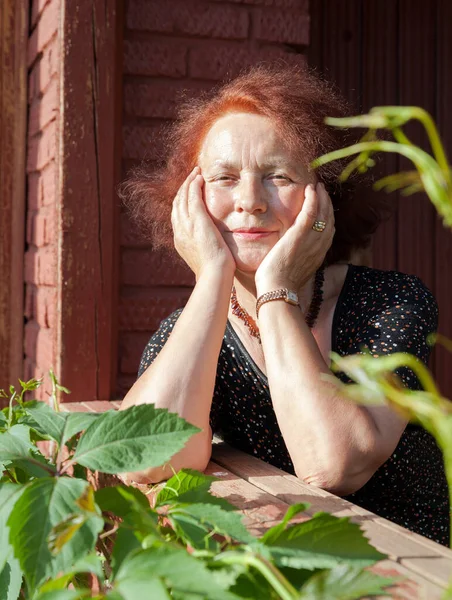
(133, 439)
(321, 543)
(126, 542)
(58, 425)
(10, 580)
(182, 573)
(191, 531)
(3, 419)
(344, 583)
(65, 595)
(150, 588)
(224, 522)
(275, 531)
(9, 494)
(44, 419)
(131, 505)
(88, 564)
(43, 504)
(16, 448)
(189, 486)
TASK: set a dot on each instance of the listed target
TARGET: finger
(195, 194)
(181, 200)
(309, 210)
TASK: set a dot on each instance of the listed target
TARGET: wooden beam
(13, 115)
(89, 171)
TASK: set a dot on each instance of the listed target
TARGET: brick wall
(41, 250)
(169, 47)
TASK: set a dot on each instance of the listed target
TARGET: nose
(250, 195)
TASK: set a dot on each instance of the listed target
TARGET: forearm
(327, 436)
(182, 377)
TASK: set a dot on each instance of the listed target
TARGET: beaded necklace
(310, 317)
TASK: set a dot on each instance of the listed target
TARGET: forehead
(237, 134)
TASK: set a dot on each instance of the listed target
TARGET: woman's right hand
(196, 238)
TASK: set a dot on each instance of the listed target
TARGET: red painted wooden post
(90, 145)
(13, 113)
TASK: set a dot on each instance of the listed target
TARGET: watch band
(281, 294)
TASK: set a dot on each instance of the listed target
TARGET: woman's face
(254, 187)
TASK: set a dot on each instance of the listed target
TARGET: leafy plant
(61, 539)
(375, 380)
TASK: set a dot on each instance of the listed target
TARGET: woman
(274, 294)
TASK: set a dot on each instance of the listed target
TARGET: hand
(295, 258)
(196, 238)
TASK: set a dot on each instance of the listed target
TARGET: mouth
(252, 233)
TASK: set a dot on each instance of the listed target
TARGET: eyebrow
(273, 162)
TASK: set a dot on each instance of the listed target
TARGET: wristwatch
(288, 296)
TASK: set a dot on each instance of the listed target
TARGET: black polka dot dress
(386, 312)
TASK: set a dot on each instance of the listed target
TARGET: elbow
(340, 479)
(196, 456)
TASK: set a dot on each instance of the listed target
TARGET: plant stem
(275, 578)
(10, 412)
(103, 548)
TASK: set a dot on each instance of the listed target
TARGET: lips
(253, 233)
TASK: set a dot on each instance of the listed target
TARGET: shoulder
(377, 289)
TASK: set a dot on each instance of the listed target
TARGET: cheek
(290, 206)
(217, 201)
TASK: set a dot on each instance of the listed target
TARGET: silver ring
(319, 226)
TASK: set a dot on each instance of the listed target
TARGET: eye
(280, 177)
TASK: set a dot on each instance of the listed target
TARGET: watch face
(292, 297)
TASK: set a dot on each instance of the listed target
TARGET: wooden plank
(443, 237)
(13, 115)
(420, 555)
(90, 169)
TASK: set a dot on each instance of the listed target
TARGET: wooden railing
(262, 493)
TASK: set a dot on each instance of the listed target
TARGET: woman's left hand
(299, 253)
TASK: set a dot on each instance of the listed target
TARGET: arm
(182, 377)
(333, 443)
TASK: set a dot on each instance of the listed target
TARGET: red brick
(159, 99)
(162, 57)
(42, 149)
(30, 301)
(131, 346)
(46, 306)
(283, 26)
(74, 406)
(47, 266)
(29, 369)
(41, 187)
(146, 268)
(40, 266)
(43, 110)
(31, 331)
(31, 266)
(41, 226)
(143, 141)
(45, 349)
(144, 310)
(188, 17)
(217, 61)
(36, 9)
(44, 70)
(44, 31)
(47, 191)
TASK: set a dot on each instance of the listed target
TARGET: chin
(249, 263)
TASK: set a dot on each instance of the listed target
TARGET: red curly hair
(297, 101)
